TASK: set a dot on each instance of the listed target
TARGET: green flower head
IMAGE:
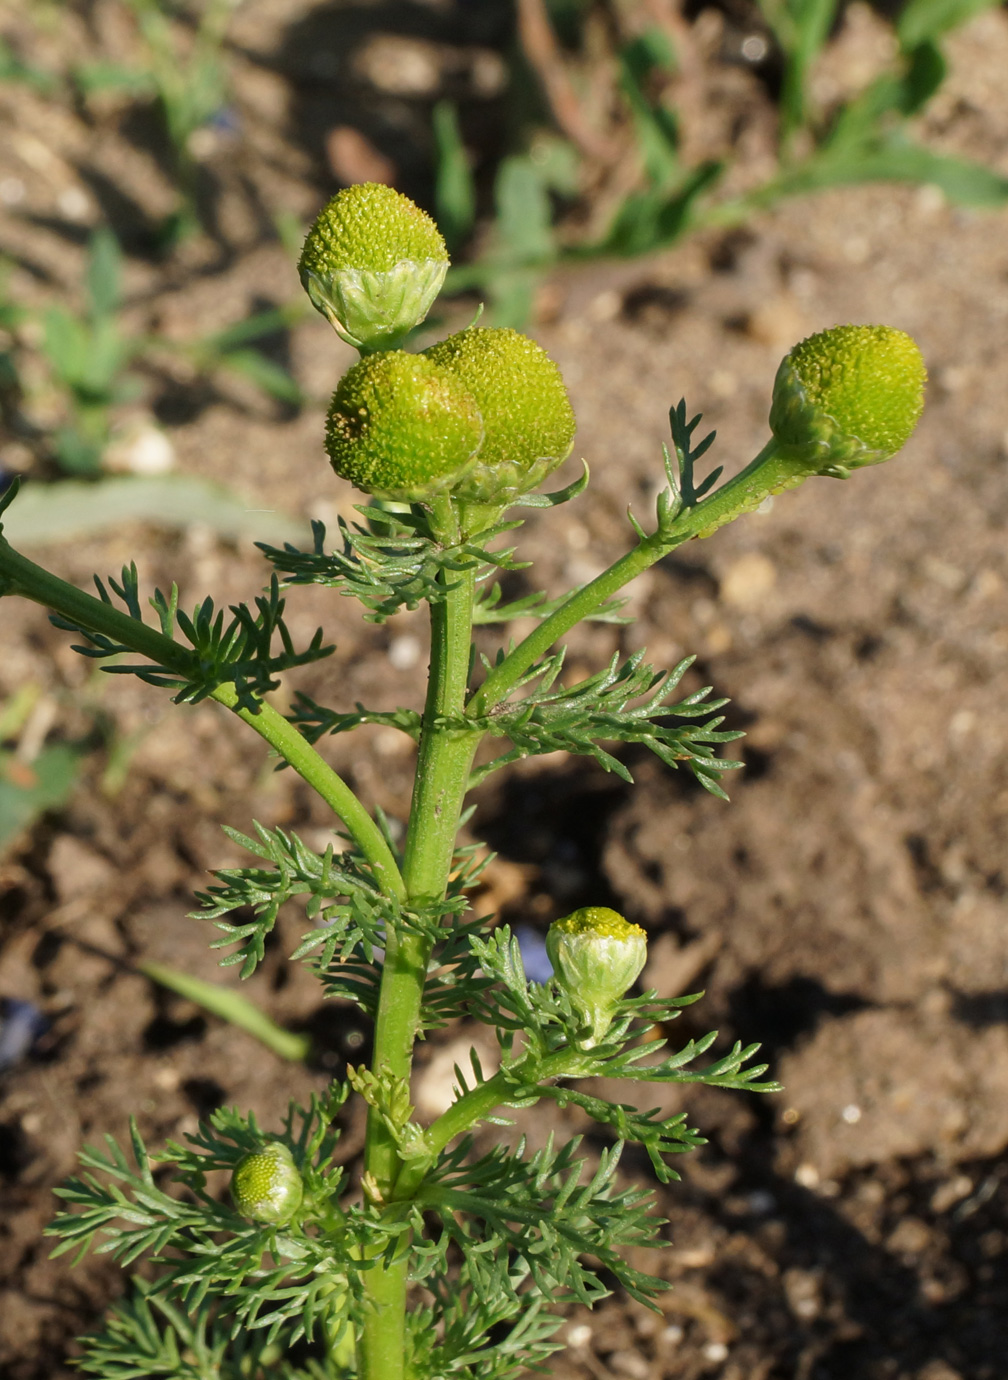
(401, 427)
(266, 1186)
(372, 264)
(527, 417)
(848, 397)
(596, 956)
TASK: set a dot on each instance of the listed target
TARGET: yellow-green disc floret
(851, 395)
(372, 264)
(596, 955)
(266, 1185)
(401, 427)
(527, 417)
(599, 921)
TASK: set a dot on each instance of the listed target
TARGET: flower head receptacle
(847, 397)
(266, 1185)
(597, 956)
(528, 420)
(372, 264)
(401, 427)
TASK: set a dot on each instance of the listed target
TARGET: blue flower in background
(21, 1024)
(538, 968)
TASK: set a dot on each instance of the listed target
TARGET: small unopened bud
(597, 956)
(266, 1186)
(401, 427)
(848, 397)
(372, 264)
(527, 417)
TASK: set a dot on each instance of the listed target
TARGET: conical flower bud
(596, 957)
(401, 427)
(372, 264)
(527, 417)
(266, 1186)
(848, 397)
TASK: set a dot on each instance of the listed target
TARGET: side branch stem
(18, 575)
(479, 1102)
(769, 473)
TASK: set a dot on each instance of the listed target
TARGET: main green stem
(442, 774)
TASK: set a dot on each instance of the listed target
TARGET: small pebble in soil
(579, 1336)
(74, 203)
(628, 1363)
(761, 1203)
(952, 1191)
(802, 1291)
(404, 652)
(754, 48)
(938, 1370)
(715, 1351)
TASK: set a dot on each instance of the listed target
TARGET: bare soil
(848, 908)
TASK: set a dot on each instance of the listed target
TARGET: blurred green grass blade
(454, 188)
(28, 789)
(77, 452)
(71, 509)
(921, 20)
(858, 123)
(512, 293)
(13, 69)
(108, 353)
(964, 183)
(265, 373)
(96, 77)
(524, 214)
(801, 27)
(233, 1007)
(104, 272)
(15, 710)
(651, 220)
(66, 343)
(925, 72)
(813, 22)
(268, 322)
(656, 126)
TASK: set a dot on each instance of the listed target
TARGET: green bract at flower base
(266, 1186)
(597, 956)
(401, 427)
(848, 397)
(528, 420)
(372, 264)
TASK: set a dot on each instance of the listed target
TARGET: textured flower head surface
(401, 427)
(372, 264)
(266, 1185)
(528, 420)
(849, 396)
(597, 956)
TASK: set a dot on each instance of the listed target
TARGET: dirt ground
(847, 908)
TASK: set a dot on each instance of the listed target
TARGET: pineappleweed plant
(450, 1256)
